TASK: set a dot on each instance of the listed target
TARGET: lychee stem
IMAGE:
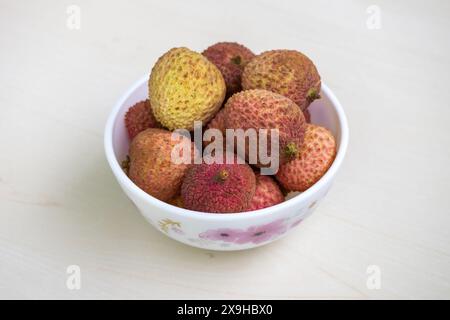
(291, 150)
(222, 175)
(236, 60)
(312, 94)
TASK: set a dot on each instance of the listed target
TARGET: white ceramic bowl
(224, 231)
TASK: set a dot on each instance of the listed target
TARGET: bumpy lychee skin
(267, 193)
(184, 87)
(315, 157)
(230, 58)
(140, 117)
(218, 188)
(261, 109)
(151, 166)
(287, 72)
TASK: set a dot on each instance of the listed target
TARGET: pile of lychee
(228, 87)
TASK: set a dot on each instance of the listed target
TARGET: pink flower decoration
(254, 234)
(224, 234)
(265, 232)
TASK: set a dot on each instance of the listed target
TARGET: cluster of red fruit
(268, 91)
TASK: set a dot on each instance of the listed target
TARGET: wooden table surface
(387, 216)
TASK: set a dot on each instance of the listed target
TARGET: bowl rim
(185, 213)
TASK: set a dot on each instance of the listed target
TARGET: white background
(60, 205)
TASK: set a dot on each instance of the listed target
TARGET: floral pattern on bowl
(233, 238)
(253, 234)
(167, 225)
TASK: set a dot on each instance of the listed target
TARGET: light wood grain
(60, 205)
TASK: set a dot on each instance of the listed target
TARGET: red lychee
(315, 157)
(267, 193)
(140, 117)
(230, 58)
(261, 109)
(218, 188)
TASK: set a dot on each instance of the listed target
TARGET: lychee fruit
(267, 193)
(230, 58)
(315, 157)
(140, 117)
(218, 188)
(261, 109)
(151, 165)
(184, 87)
(287, 72)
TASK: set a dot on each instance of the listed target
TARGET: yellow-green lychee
(287, 72)
(184, 87)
